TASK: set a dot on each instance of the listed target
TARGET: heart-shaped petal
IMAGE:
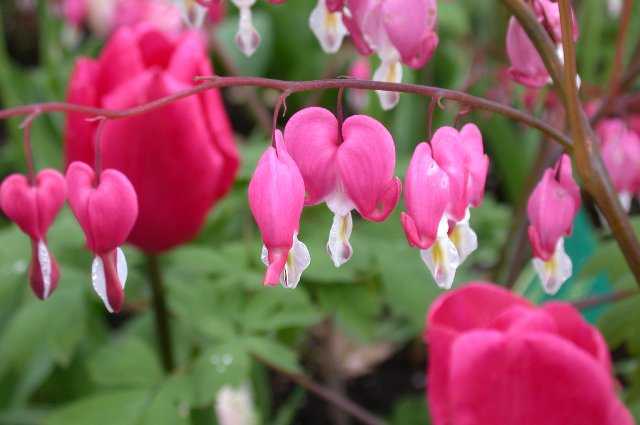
(106, 209)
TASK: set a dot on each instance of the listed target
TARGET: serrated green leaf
(106, 408)
(274, 352)
(126, 363)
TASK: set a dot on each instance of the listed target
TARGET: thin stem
(161, 313)
(256, 106)
(302, 86)
(98, 148)
(282, 101)
(618, 62)
(430, 112)
(339, 106)
(28, 148)
(599, 300)
(355, 410)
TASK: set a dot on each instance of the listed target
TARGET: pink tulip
(180, 158)
(33, 206)
(552, 207)
(348, 166)
(496, 359)
(106, 209)
(621, 155)
(276, 198)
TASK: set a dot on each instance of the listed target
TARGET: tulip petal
(555, 271)
(524, 373)
(338, 246)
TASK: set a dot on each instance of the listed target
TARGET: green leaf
(278, 308)
(274, 352)
(129, 362)
(106, 408)
(170, 404)
(226, 364)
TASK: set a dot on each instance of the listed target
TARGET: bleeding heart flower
(247, 37)
(33, 207)
(621, 155)
(276, 199)
(427, 194)
(107, 209)
(552, 207)
(461, 155)
(361, 70)
(348, 166)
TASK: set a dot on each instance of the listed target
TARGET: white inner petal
(44, 259)
(98, 278)
(464, 238)
(247, 37)
(297, 262)
(556, 271)
(327, 27)
(625, 199)
(338, 245)
(338, 202)
(390, 71)
(442, 258)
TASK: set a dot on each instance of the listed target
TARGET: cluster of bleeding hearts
(350, 166)
(105, 205)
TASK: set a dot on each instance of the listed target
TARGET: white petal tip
(46, 268)
(98, 276)
(338, 246)
(554, 272)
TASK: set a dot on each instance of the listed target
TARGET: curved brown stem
(209, 83)
(343, 403)
(586, 153)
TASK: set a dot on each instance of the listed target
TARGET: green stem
(161, 313)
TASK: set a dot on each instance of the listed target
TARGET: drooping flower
(348, 166)
(33, 206)
(247, 37)
(327, 26)
(276, 199)
(544, 365)
(180, 158)
(552, 207)
(527, 67)
(106, 206)
(399, 31)
(427, 194)
(621, 155)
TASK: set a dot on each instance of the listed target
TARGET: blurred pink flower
(494, 358)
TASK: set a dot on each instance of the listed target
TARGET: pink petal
(106, 212)
(311, 138)
(476, 161)
(449, 153)
(276, 199)
(120, 61)
(527, 67)
(82, 90)
(426, 198)
(534, 378)
(366, 163)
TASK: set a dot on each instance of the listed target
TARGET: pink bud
(426, 194)
(106, 210)
(552, 207)
(33, 208)
(476, 162)
(276, 199)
